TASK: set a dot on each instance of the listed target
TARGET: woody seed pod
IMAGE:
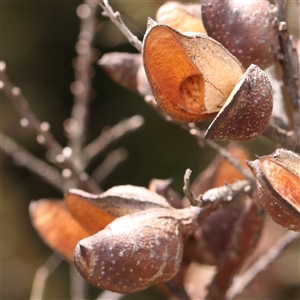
(248, 29)
(278, 183)
(247, 111)
(95, 212)
(190, 76)
(135, 251)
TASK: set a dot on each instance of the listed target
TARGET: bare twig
(197, 133)
(41, 276)
(110, 135)
(44, 135)
(25, 159)
(111, 161)
(81, 87)
(242, 281)
(115, 17)
(289, 61)
(77, 284)
(215, 196)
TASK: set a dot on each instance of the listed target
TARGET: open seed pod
(247, 111)
(278, 183)
(135, 251)
(95, 212)
(56, 226)
(190, 76)
(182, 17)
(248, 29)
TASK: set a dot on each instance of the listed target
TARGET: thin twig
(242, 281)
(81, 87)
(198, 134)
(41, 275)
(44, 135)
(25, 159)
(215, 196)
(116, 18)
(77, 284)
(110, 135)
(110, 162)
(289, 61)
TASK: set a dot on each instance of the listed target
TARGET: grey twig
(44, 135)
(289, 61)
(110, 135)
(41, 275)
(242, 281)
(81, 87)
(110, 162)
(116, 18)
(23, 158)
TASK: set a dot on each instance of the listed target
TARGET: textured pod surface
(97, 211)
(133, 252)
(248, 29)
(182, 17)
(56, 226)
(190, 76)
(278, 182)
(247, 111)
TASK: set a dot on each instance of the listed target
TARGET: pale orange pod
(190, 76)
(278, 183)
(59, 230)
(183, 17)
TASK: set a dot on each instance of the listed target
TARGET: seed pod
(135, 251)
(95, 212)
(182, 17)
(248, 29)
(56, 226)
(190, 76)
(278, 183)
(122, 68)
(247, 111)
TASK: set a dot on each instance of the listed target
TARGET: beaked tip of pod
(151, 22)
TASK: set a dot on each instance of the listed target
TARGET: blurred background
(38, 45)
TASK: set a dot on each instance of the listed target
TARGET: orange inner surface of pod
(283, 181)
(176, 78)
(90, 216)
(56, 226)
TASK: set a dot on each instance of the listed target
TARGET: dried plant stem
(81, 87)
(197, 133)
(110, 135)
(41, 275)
(23, 158)
(289, 62)
(215, 196)
(78, 284)
(242, 281)
(44, 135)
(115, 17)
(110, 162)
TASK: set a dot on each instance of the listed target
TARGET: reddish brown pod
(248, 29)
(135, 251)
(278, 182)
(247, 111)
